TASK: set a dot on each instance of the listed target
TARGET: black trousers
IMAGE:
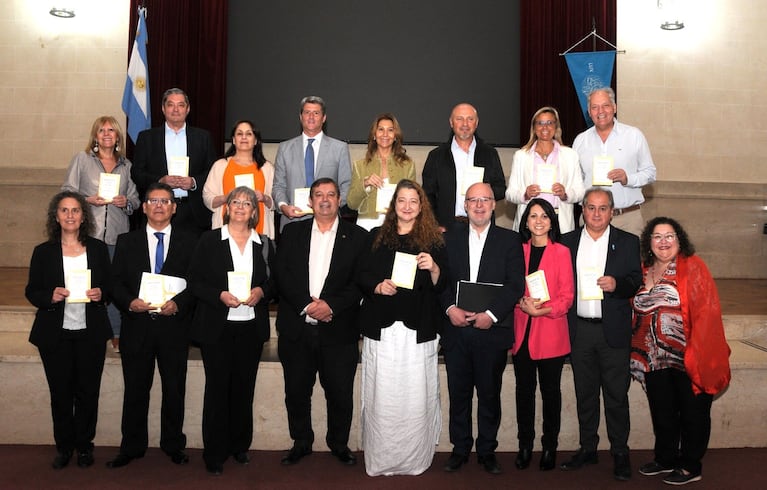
(336, 365)
(549, 373)
(170, 353)
(681, 420)
(474, 362)
(230, 381)
(601, 369)
(73, 369)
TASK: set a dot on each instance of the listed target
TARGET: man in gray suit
(303, 159)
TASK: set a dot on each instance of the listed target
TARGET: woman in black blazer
(231, 330)
(70, 335)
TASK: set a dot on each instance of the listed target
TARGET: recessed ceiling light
(64, 13)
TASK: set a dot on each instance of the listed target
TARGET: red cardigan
(549, 334)
(706, 357)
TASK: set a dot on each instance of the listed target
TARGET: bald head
(464, 121)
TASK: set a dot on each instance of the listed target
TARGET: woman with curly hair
(401, 417)
(71, 331)
(678, 350)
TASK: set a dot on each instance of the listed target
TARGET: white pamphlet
(547, 177)
(301, 200)
(600, 167)
(109, 186)
(537, 286)
(78, 282)
(245, 180)
(588, 289)
(178, 166)
(404, 269)
(471, 175)
(152, 289)
(384, 196)
(239, 284)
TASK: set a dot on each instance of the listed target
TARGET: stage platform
(737, 415)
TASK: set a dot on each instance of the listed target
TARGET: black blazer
(502, 262)
(439, 179)
(622, 264)
(46, 273)
(131, 260)
(208, 277)
(340, 291)
(150, 164)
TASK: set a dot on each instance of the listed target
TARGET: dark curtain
(548, 28)
(187, 49)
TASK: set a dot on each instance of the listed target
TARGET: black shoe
(622, 469)
(179, 457)
(85, 458)
(548, 460)
(523, 458)
(214, 469)
(490, 463)
(682, 477)
(295, 454)
(455, 461)
(120, 460)
(241, 458)
(654, 468)
(61, 460)
(579, 459)
(345, 456)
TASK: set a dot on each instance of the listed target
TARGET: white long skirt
(401, 416)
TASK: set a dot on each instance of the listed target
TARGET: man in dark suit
(172, 143)
(608, 274)
(445, 167)
(315, 272)
(153, 332)
(307, 157)
(476, 343)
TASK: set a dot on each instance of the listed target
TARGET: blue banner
(136, 94)
(590, 70)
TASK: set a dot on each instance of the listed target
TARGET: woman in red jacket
(542, 338)
(678, 349)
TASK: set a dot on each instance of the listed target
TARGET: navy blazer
(502, 262)
(439, 179)
(340, 291)
(208, 278)
(622, 264)
(46, 273)
(150, 164)
(131, 260)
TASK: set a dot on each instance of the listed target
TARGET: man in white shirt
(607, 275)
(622, 152)
(476, 343)
(315, 271)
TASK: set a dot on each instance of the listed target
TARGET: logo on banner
(590, 70)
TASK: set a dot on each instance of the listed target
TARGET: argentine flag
(136, 95)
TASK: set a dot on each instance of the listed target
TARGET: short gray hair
(607, 90)
(312, 99)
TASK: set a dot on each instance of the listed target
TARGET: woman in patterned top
(678, 352)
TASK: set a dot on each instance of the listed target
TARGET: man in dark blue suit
(175, 141)
(315, 270)
(476, 343)
(153, 332)
(608, 273)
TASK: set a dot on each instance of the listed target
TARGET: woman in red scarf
(678, 352)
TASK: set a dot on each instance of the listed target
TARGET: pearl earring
(95, 147)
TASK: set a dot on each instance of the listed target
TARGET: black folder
(478, 296)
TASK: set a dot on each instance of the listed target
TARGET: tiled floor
(738, 296)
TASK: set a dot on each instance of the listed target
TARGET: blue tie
(309, 163)
(159, 253)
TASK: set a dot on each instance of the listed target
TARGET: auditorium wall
(696, 94)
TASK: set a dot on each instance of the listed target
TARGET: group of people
(424, 266)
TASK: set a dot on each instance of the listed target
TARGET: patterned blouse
(658, 340)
